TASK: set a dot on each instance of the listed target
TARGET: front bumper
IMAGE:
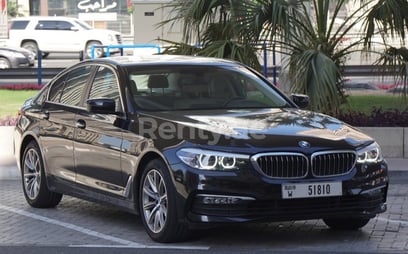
(218, 197)
(24, 62)
(365, 205)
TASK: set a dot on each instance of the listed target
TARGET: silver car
(15, 58)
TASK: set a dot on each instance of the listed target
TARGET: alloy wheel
(154, 198)
(32, 173)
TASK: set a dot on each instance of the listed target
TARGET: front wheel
(346, 223)
(35, 187)
(98, 52)
(157, 203)
(31, 46)
(4, 63)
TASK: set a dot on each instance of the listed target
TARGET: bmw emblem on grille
(304, 144)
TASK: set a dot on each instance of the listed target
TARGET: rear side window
(19, 24)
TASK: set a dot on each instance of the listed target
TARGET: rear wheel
(157, 203)
(35, 186)
(31, 46)
(346, 223)
(4, 63)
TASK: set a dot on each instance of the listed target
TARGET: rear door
(58, 123)
(98, 139)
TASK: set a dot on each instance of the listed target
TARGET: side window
(106, 85)
(19, 24)
(46, 25)
(56, 89)
(74, 86)
(64, 25)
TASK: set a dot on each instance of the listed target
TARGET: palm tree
(211, 29)
(306, 31)
(389, 19)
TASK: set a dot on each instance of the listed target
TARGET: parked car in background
(15, 58)
(60, 34)
(191, 141)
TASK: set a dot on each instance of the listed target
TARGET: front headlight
(370, 154)
(212, 160)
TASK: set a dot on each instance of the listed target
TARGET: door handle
(80, 124)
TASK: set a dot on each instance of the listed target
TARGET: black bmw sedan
(187, 142)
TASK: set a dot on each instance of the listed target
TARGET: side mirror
(301, 100)
(101, 106)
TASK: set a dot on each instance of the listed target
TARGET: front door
(98, 139)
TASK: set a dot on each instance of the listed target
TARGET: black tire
(157, 204)
(98, 52)
(31, 46)
(346, 223)
(35, 187)
(4, 63)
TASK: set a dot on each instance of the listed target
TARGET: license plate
(311, 190)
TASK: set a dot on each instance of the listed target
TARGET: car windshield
(198, 88)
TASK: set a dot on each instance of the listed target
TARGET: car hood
(256, 128)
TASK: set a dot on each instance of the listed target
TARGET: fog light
(222, 199)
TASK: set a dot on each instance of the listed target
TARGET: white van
(60, 34)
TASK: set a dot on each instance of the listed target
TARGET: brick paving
(76, 223)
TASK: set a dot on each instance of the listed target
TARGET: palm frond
(243, 53)
(179, 48)
(315, 74)
(387, 18)
(396, 59)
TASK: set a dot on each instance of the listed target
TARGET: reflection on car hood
(262, 128)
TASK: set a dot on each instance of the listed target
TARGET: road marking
(124, 243)
(405, 223)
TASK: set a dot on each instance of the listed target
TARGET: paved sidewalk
(9, 170)
(8, 166)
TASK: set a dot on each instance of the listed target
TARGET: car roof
(165, 60)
